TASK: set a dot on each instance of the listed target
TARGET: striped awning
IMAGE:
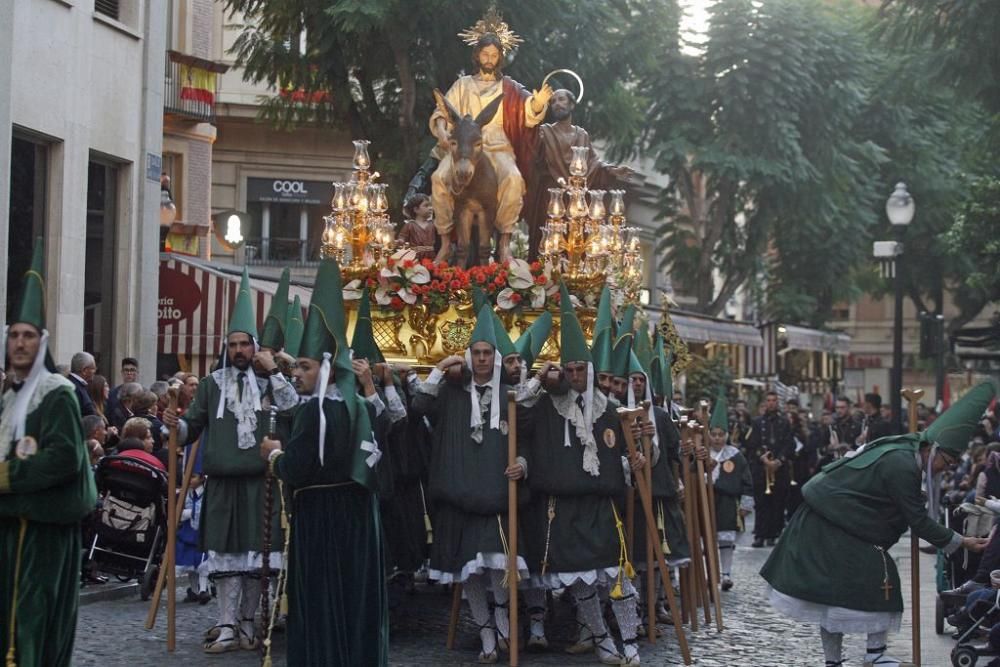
(814, 340)
(699, 329)
(194, 305)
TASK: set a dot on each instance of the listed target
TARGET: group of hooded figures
(329, 448)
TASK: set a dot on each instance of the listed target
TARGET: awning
(195, 300)
(803, 338)
(700, 329)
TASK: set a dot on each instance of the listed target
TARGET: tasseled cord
(506, 551)
(624, 564)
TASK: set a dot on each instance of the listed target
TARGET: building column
(265, 230)
(6, 133)
(303, 232)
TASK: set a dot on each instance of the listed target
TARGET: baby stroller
(959, 567)
(966, 653)
(129, 526)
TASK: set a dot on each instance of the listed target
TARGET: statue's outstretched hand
(541, 96)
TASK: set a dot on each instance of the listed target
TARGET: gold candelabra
(359, 220)
(583, 240)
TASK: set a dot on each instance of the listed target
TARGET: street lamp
(899, 208)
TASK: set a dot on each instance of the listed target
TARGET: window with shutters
(108, 8)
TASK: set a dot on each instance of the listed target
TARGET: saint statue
(507, 138)
(552, 157)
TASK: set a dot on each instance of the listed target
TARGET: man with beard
(555, 149)
(46, 488)
(832, 566)
(227, 414)
(770, 445)
(508, 139)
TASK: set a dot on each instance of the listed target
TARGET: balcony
(191, 86)
(276, 251)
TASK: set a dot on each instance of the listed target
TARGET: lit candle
(361, 159)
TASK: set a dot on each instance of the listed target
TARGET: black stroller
(129, 527)
(959, 567)
(967, 653)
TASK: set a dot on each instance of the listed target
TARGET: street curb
(106, 592)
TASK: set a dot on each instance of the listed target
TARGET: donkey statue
(471, 182)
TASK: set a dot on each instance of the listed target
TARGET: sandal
(216, 646)
(607, 656)
(213, 632)
(248, 640)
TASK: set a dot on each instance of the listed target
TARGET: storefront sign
(289, 191)
(180, 296)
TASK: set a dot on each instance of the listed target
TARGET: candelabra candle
(578, 163)
(361, 160)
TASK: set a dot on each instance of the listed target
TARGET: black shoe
(204, 597)
(770, 541)
(190, 596)
(757, 543)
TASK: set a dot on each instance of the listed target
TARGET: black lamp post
(899, 208)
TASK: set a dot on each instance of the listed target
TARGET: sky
(695, 21)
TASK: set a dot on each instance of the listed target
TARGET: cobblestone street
(110, 632)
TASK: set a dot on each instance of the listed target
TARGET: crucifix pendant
(886, 586)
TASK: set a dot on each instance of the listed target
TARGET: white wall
(89, 83)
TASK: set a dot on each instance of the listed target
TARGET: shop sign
(289, 191)
(180, 296)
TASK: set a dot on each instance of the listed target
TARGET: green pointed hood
(326, 333)
(572, 342)
(363, 343)
(31, 307)
(503, 342)
(643, 346)
(603, 334)
(621, 353)
(953, 429)
(484, 331)
(657, 365)
(325, 328)
(273, 334)
(242, 319)
(293, 327)
(531, 342)
(634, 365)
(628, 320)
(720, 412)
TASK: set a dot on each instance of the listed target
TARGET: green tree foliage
(759, 133)
(704, 378)
(974, 239)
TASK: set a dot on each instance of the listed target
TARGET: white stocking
(248, 605)
(588, 609)
(832, 645)
(625, 611)
(534, 600)
(228, 591)
(475, 593)
(501, 595)
(726, 552)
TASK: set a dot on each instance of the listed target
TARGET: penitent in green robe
(42, 500)
(582, 536)
(232, 516)
(666, 501)
(827, 553)
(338, 610)
(466, 484)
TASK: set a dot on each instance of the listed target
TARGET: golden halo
(491, 24)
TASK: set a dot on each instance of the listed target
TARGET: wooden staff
(512, 574)
(647, 472)
(456, 606)
(628, 417)
(154, 604)
(265, 551)
(912, 396)
(696, 530)
(168, 563)
(711, 548)
(690, 522)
